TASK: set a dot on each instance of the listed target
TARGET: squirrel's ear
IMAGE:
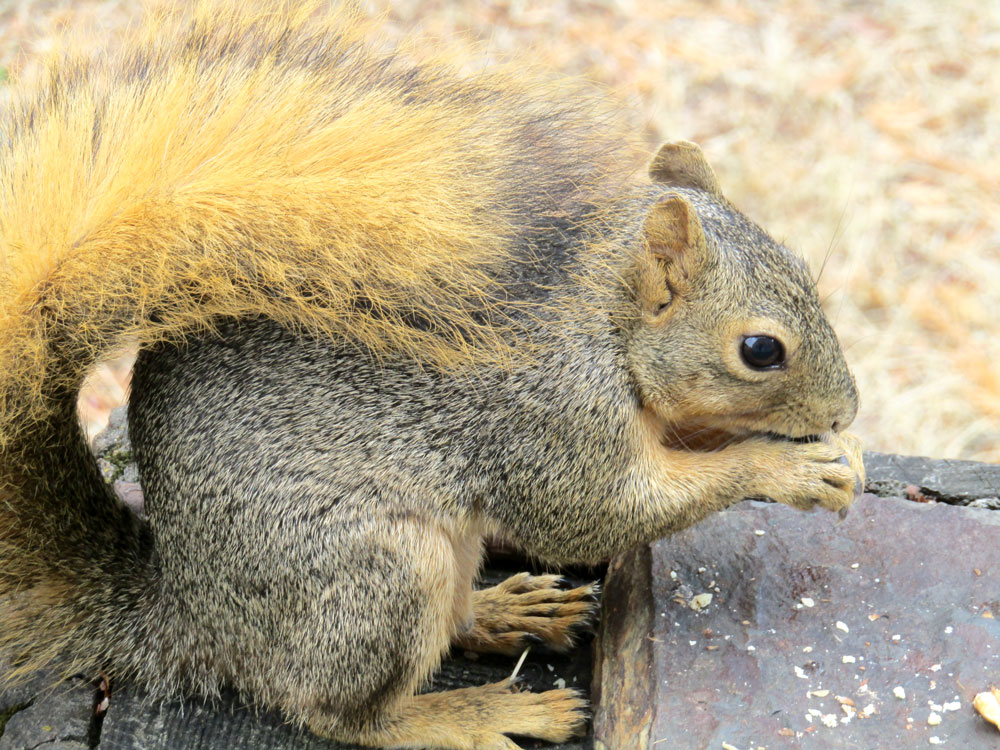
(673, 235)
(682, 163)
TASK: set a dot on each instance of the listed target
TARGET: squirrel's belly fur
(384, 306)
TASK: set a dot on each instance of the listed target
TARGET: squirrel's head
(730, 337)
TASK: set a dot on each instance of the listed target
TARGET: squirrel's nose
(848, 410)
(843, 420)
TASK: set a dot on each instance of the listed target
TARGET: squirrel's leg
(370, 642)
(478, 718)
(527, 609)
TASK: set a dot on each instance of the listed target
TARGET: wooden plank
(813, 627)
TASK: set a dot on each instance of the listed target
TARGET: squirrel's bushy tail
(229, 161)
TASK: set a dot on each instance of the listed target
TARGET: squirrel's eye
(762, 352)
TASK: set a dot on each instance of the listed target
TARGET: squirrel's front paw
(827, 472)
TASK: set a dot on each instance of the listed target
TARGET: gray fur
(273, 463)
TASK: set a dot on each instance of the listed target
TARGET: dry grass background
(865, 135)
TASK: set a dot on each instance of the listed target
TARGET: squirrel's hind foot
(478, 718)
(525, 610)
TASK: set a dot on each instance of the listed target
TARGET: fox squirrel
(385, 307)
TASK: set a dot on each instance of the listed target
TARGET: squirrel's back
(260, 159)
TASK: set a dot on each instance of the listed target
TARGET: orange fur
(194, 184)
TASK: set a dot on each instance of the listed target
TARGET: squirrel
(385, 306)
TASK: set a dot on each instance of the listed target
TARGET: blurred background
(865, 135)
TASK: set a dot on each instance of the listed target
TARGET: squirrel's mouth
(692, 435)
(705, 435)
(698, 436)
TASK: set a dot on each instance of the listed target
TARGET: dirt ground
(864, 135)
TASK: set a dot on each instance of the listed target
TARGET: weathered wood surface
(61, 719)
(812, 629)
(948, 481)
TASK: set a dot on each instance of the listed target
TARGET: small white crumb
(751, 648)
(808, 602)
(855, 565)
(869, 709)
(699, 602)
(934, 706)
(800, 673)
(936, 668)
(818, 693)
(807, 650)
(692, 643)
(897, 637)
(862, 689)
(759, 532)
(551, 668)
(842, 626)
(949, 630)
(815, 712)
(935, 740)
(953, 706)
(559, 683)
(829, 720)
(850, 711)
(847, 659)
(702, 569)
(899, 692)
(727, 746)
(934, 719)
